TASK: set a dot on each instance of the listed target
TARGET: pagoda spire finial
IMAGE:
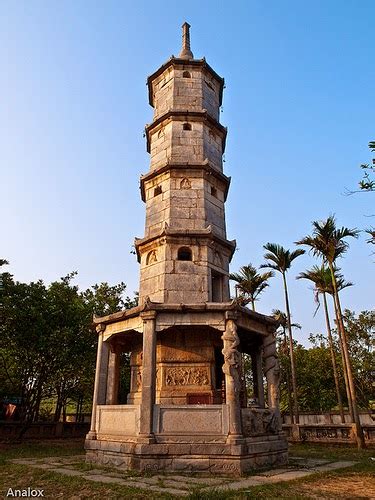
(186, 53)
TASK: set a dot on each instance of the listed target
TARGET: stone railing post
(231, 369)
(113, 375)
(148, 383)
(100, 385)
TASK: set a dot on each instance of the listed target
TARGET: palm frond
(250, 283)
(328, 241)
(279, 258)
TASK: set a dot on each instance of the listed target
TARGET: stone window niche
(186, 126)
(216, 286)
(184, 253)
(213, 191)
(186, 74)
(151, 257)
(185, 183)
(209, 85)
(157, 190)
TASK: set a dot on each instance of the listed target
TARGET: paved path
(178, 484)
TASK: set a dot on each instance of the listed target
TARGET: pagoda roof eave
(196, 233)
(186, 114)
(184, 62)
(158, 307)
(205, 165)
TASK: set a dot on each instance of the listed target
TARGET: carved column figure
(148, 376)
(231, 369)
(113, 378)
(100, 385)
(271, 370)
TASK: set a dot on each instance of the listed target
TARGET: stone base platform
(206, 486)
(193, 438)
(198, 457)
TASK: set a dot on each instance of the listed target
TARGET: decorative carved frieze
(186, 376)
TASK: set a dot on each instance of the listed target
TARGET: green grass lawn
(355, 482)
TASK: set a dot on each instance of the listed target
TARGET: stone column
(148, 383)
(113, 375)
(231, 369)
(257, 369)
(271, 370)
(100, 385)
(272, 373)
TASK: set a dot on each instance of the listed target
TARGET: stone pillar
(272, 373)
(100, 385)
(148, 383)
(271, 370)
(257, 369)
(113, 375)
(231, 369)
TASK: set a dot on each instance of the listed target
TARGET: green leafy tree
(367, 183)
(250, 284)
(280, 259)
(47, 343)
(315, 378)
(26, 342)
(75, 373)
(329, 243)
(361, 341)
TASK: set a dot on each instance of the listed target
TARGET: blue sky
(297, 104)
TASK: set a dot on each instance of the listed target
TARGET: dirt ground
(345, 486)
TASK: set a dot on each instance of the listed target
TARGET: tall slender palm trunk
(341, 329)
(291, 350)
(288, 388)
(333, 357)
(344, 367)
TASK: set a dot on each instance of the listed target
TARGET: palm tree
(279, 259)
(321, 277)
(250, 283)
(328, 242)
(281, 318)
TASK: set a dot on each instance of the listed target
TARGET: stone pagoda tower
(186, 407)
(185, 255)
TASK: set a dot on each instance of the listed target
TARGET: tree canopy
(47, 342)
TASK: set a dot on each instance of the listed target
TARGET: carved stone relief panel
(217, 259)
(185, 183)
(151, 257)
(182, 376)
(259, 421)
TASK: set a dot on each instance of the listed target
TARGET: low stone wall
(194, 420)
(189, 438)
(44, 430)
(117, 421)
(327, 433)
(332, 417)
